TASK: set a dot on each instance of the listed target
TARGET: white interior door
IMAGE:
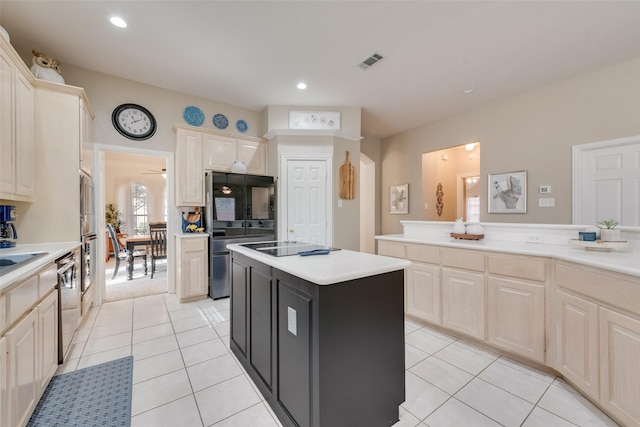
(306, 203)
(607, 182)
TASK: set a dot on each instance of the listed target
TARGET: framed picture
(399, 199)
(508, 192)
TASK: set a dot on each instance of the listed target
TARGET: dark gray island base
(322, 355)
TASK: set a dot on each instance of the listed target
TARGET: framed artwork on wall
(508, 192)
(399, 199)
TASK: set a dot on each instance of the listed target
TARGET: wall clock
(134, 122)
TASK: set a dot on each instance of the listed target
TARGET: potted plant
(113, 216)
(608, 230)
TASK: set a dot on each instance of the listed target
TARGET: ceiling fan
(162, 172)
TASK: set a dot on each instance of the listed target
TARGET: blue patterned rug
(95, 396)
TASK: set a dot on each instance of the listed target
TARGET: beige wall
(370, 147)
(533, 131)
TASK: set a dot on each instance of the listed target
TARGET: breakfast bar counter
(322, 336)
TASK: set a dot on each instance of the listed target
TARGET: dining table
(131, 243)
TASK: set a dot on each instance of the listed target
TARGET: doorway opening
(138, 185)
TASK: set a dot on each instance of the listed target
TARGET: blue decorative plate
(242, 126)
(220, 121)
(193, 116)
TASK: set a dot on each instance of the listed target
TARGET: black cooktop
(285, 248)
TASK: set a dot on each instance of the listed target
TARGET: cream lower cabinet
(4, 409)
(423, 292)
(463, 302)
(576, 342)
(47, 339)
(23, 378)
(192, 267)
(620, 366)
(516, 317)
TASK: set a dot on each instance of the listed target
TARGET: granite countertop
(54, 251)
(626, 262)
(338, 266)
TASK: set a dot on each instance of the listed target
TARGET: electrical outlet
(533, 238)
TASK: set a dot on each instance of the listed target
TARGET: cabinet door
(22, 378)
(260, 319)
(189, 172)
(239, 304)
(194, 268)
(423, 292)
(48, 339)
(4, 408)
(86, 139)
(620, 365)
(516, 317)
(253, 154)
(219, 153)
(7, 165)
(25, 138)
(294, 353)
(577, 342)
(463, 302)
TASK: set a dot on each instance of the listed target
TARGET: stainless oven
(68, 301)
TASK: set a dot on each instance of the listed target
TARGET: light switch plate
(545, 189)
(547, 202)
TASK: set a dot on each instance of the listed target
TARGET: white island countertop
(53, 250)
(338, 266)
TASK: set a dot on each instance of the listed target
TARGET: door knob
(291, 230)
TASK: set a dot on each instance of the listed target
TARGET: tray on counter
(467, 236)
(600, 245)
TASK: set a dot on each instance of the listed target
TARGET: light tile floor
(185, 375)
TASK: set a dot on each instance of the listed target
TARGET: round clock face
(134, 121)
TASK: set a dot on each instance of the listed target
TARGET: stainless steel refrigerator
(239, 208)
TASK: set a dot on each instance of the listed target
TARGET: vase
(610, 234)
(238, 167)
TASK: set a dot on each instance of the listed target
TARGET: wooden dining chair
(120, 253)
(158, 246)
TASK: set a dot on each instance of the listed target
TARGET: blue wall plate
(242, 126)
(220, 121)
(193, 116)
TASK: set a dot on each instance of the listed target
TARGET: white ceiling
(253, 53)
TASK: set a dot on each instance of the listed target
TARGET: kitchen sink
(13, 261)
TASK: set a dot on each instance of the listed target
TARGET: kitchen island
(321, 336)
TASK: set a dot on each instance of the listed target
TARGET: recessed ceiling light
(302, 86)
(118, 22)
(467, 90)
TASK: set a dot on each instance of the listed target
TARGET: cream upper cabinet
(192, 267)
(620, 366)
(17, 133)
(576, 342)
(86, 138)
(189, 172)
(219, 153)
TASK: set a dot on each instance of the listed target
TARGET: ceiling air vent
(370, 61)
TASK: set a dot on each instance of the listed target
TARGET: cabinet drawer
(392, 249)
(422, 253)
(459, 258)
(22, 298)
(194, 245)
(618, 290)
(3, 313)
(518, 266)
(47, 280)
